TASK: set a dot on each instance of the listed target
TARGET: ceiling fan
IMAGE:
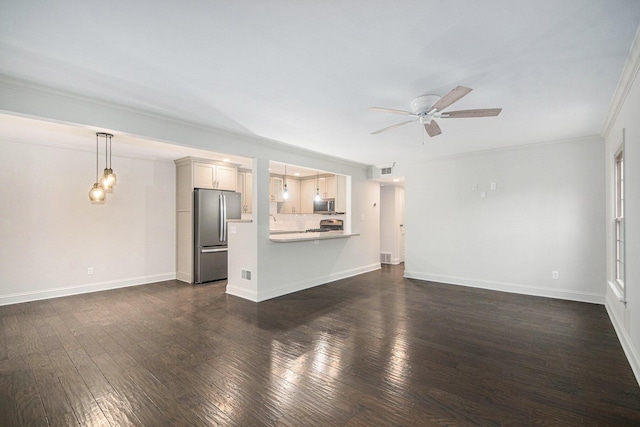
(427, 107)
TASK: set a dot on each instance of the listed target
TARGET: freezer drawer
(211, 264)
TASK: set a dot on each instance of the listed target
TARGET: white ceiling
(305, 72)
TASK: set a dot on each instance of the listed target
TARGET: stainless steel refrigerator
(212, 209)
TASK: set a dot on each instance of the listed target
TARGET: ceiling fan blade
(432, 128)
(391, 110)
(482, 112)
(451, 97)
(391, 127)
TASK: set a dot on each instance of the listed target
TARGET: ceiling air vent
(375, 172)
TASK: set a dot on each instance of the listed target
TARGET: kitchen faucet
(274, 218)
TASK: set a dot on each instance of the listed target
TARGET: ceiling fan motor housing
(422, 104)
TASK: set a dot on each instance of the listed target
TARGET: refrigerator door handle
(224, 206)
(209, 251)
(221, 228)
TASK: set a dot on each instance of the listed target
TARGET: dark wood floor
(372, 350)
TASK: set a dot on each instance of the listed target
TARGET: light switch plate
(483, 194)
(494, 185)
(474, 187)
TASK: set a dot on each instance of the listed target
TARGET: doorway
(392, 227)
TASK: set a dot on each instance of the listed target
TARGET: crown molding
(627, 78)
(532, 145)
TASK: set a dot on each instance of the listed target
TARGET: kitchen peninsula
(303, 236)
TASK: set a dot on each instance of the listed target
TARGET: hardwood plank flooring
(371, 350)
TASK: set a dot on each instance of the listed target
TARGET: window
(619, 219)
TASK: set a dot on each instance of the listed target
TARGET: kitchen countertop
(301, 236)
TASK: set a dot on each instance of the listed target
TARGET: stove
(327, 225)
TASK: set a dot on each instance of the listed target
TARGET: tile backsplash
(296, 222)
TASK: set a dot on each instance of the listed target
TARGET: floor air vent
(385, 257)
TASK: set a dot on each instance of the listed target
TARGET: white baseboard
(237, 291)
(183, 277)
(627, 345)
(274, 293)
(509, 287)
(82, 289)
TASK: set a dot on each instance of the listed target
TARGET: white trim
(82, 289)
(633, 356)
(620, 289)
(627, 77)
(500, 149)
(242, 293)
(615, 288)
(515, 288)
(274, 293)
(183, 277)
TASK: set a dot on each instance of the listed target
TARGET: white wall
(625, 113)
(290, 267)
(313, 265)
(545, 215)
(51, 233)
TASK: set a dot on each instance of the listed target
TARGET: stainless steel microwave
(324, 206)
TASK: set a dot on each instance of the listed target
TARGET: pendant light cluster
(285, 193)
(317, 198)
(104, 184)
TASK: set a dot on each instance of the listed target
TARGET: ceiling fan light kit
(427, 107)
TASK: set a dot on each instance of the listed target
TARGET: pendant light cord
(96, 157)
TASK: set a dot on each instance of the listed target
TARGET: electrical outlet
(90, 270)
(483, 194)
(555, 275)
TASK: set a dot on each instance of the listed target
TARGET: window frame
(618, 220)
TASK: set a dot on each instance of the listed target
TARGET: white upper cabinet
(245, 187)
(307, 193)
(292, 205)
(215, 177)
(330, 187)
(276, 185)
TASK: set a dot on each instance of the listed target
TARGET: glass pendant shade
(104, 184)
(97, 193)
(108, 177)
(108, 180)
